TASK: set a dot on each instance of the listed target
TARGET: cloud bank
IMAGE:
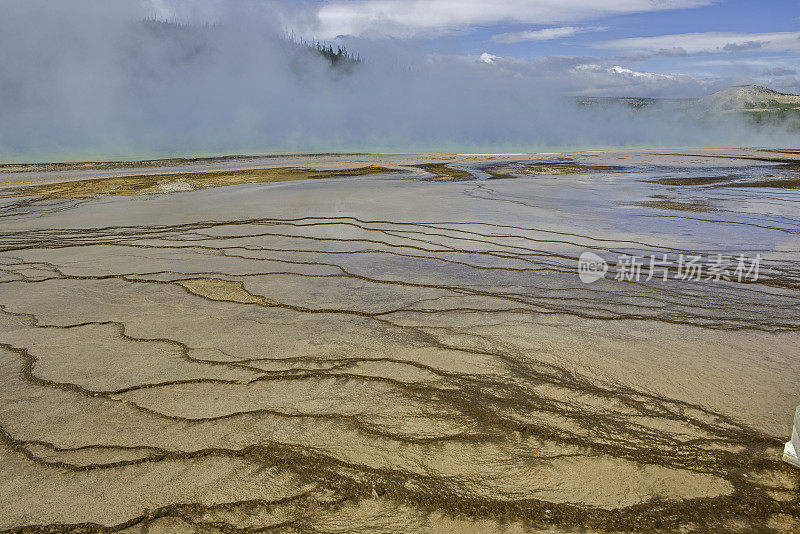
(709, 42)
(544, 34)
(412, 18)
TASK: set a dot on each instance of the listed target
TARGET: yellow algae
(549, 169)
(177, 182)
(222, 290)
(443, 172)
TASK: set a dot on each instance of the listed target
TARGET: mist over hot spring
(98, 78)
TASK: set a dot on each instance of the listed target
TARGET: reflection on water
(402, 351)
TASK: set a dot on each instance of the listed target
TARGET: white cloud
(410, 18)
(711, 42)
(596, 79)
(486, 57)
(621, 72)
(545, 34)
(586, 76)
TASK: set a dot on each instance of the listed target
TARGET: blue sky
(743, 17)
(740, 16)
(662, 47)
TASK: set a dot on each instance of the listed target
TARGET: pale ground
(406, 350)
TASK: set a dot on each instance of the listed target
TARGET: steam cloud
(88, 78)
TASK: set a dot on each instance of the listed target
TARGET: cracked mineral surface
(364, 343)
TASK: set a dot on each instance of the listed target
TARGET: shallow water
(404, 352)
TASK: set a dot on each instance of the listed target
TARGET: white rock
(174, 186)
(792, 449)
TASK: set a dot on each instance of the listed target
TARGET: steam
(93, 79)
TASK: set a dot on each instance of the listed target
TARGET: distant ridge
(749, 98)
(757, 104)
